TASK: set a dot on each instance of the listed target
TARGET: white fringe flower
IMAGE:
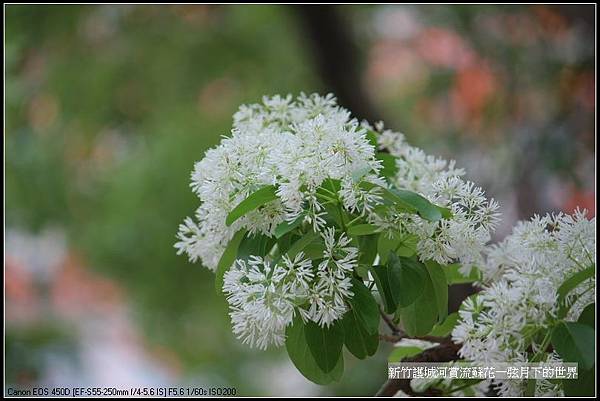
(294, 144)
(300, 146)
(262, 297)
(460, 238)
(519, 295)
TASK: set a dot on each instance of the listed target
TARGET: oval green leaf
(454, 276)
(419, 318)
(380, 274)
(302, 243)
(431, 307)
(445, 328)
(424, 208)
(253, 201)
(406, 279)
(387, 243)
(440, 286)
(365, 307)
(399, 353)
(287, 226)
(574, 280)
(228, 258)
(358, 341)
(362, 229)
(325, 343)
(388, 163)
(575, 342)
(588, 316)
(302, 358)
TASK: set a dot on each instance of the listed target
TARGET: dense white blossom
(263, 296)
(301, 146)
(324, 173)
(294, 144)
(519, 299)
(460, 238)
(332, 283)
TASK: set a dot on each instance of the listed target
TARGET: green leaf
(334, 216)
(440, 286)
(368, 249)
(228, 258)
(408, 201)
(315, 249)
(385, 244)
(365, 307)
(446, 213)
(406, 278)
(253, 201)
(588, 316)
(362, 229)
(399, 353)
(445, 328)
(408, 246)
(332, 184)
(426, 209)
(380, 274)
(255, 244)
(574, 280)
(358, 341)
(390, 197)
(583, 386)
(454, 276)
(284, 243)
(530, 385)
(575, 342)
(362, 271)
(402, 245)
(419, 318)
(325, 343)
(287, 226)
(372, 138)
(388, 163)
(302, 243)
(431, 307)
(302, 358)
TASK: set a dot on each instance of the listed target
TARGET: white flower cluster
(519, 297)
(263, 296)
(463, 236)
(294, 144)
(301, 146)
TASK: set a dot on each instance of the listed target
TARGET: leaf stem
(354, 220)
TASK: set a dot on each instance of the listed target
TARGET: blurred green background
(108, 107)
